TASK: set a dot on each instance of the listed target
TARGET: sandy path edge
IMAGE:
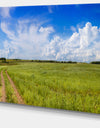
(20, 100)
(3, 98)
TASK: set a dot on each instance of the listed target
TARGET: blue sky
(61, 32)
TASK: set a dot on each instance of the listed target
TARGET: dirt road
(3, 99)
(19, 98)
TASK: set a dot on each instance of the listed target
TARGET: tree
(3, 59)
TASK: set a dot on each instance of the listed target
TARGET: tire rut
(20, 100)
(3, 98)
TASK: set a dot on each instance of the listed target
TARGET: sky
(56, 32)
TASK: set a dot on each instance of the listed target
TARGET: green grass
(56, 85)
(0, 83)
(0, 88)
(10, 95)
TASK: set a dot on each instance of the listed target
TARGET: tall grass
(58, 85)
(0, 86)
(10, 94)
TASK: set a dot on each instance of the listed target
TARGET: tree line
(4, 60)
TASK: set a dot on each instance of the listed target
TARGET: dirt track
(19, 98)
(3, 99)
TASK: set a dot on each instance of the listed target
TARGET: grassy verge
(0, 83)
(63, 86)
(10, 95)
(0, 88)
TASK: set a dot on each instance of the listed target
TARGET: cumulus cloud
(29, 40)
(83, 45)
(5, 12)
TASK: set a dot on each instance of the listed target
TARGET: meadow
(55, 85)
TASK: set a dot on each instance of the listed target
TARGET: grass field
(56, 85)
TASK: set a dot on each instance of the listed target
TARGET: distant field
(55, 85)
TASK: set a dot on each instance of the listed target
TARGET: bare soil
(3, 98)
(20, 100)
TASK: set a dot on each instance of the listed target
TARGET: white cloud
(73, 28)
(50, 9)
(26, 40)
(83, 45)
(47, 29)
(5, 12)
(29, 40)
(5, 29)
